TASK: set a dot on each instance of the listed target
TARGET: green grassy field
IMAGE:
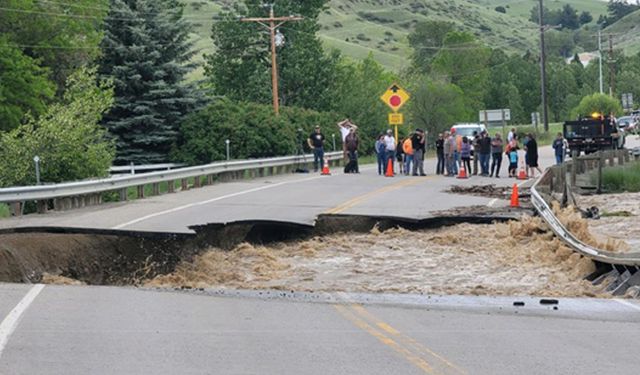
(358, 28)
(522, 8)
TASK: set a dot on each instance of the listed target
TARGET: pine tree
(146, 51)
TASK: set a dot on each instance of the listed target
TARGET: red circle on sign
(395, 100)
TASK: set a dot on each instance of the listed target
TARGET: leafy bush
(500, 9)
(600, 103)
(252, 129)
(67, 138)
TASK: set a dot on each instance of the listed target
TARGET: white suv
(467, 130)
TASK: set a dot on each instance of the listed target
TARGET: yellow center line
(359, 199)
(402, 337)
(406, 353)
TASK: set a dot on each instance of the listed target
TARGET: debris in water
(618, 219)
(518, 303)
(514, 258)
(491, 191)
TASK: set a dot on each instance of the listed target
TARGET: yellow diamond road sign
(395, 97)
(396, 119)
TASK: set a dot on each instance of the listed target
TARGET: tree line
(97, 82)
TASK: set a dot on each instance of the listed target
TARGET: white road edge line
(627, 303)
(180, 208)
(10, 323)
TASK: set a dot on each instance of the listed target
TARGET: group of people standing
(409, 153)
(455, 152)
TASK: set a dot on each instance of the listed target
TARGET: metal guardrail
(545, 211)
(43, 193)
(133, 168)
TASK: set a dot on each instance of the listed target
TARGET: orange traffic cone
(325, 169)
(463, 172)
(515, 196)
(522, 174)
(389, 169)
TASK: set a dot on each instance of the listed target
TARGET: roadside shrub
(67, 137)
(252, 129)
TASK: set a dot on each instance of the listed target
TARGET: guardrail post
(171, 187)
(42, 207)
(209, 179)
(574, 167)
(626, 155)
(140, 191)
(155, 187)
(123, 193)
(612, 159)
(600, 165)
(620, 157)
(16, 208)
(197, 181)
(184, 184)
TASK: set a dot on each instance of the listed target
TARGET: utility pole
(612, 68)
(277, 40)
(543, 69)
(600, 56)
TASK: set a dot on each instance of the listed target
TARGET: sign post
(627, 101)
(395, 97)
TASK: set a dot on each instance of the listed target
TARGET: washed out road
(293, 198)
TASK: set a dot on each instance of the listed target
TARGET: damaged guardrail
(85, 193)
(622, 268)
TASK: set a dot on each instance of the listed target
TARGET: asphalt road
(105, 330)
(295, 198)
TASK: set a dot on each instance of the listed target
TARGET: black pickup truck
(594, 133)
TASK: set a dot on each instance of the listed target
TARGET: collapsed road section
(126, 257)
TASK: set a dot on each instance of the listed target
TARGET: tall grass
(620, 179)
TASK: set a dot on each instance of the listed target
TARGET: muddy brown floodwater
(621, 217)
(515, 258)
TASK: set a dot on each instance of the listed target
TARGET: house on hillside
(585, 58)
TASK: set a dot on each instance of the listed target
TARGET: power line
(83, 16)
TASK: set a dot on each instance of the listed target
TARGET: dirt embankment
(91, 258)
(515, 258)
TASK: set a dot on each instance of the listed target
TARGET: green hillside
(522, 8)
(359, 27)
(626, 33)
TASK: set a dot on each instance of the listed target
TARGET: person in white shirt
(390, 146)
(511, 134)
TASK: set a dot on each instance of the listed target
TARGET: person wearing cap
(390, 146)
(316, 142)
